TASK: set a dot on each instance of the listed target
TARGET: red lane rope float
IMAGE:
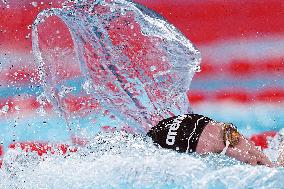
(270, 95)
(261, 139)
(24, 105)
(42, 148)
(242, 69)
(21, 76)
(249, 19)
(75, 104)
(273, 96)
(29, 104)
(16, 22)
(16, 74)
(235, 96)
(197, 97)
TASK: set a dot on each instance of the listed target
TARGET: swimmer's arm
(211, 140)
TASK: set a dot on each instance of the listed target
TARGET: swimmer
(196, 133)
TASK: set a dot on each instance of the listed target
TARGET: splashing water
(134, 68)
(119, 66)
(120, 160)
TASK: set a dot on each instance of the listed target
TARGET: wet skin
(211, 140)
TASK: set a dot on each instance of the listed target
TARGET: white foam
(119, 160)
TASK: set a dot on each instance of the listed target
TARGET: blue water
(119, 160)
(165, 64)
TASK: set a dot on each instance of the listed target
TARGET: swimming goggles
(231, 136)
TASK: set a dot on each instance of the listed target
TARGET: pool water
(98, 83)
(120, 160)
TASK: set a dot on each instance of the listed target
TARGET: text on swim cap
(171, 136)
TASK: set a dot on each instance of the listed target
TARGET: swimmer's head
(179, 133)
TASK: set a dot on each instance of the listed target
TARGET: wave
(132, 61)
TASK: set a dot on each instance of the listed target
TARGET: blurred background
(241, 81)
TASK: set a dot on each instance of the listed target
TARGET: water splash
(94, 48)
(137, 65)
(121, 160)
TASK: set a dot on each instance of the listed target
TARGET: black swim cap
(180, 133)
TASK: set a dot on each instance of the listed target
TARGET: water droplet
(5, 109)
(87, 86)
(34, 4)
(153, 68)
(65, 90)
(18, 108)
(197, 69)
